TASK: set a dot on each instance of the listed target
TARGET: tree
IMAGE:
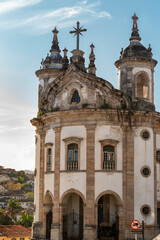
(20, 179)
(4, 218)
(26, 220)
(30, 196)
(14, 207)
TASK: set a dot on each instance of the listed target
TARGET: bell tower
(136, 71)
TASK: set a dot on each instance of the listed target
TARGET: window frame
(113, 143)
(78, 97)
(49, 146)
(157, 150)
(68, 141)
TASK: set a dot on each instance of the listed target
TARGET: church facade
(97, 164)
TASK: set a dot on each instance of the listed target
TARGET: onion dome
(135, 48)
(54, 59)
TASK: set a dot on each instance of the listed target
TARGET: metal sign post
(136, 237)
(135, 225)
(142, 230)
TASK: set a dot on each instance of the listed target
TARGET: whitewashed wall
(143, 187)
(49, 183)
(108, 181)
(73, 180)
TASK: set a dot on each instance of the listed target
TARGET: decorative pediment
(75, 89)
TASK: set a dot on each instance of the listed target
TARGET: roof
(14, 230)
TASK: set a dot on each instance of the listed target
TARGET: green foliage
(30, 196)
(40, 113)
(5, 219)
(106, 105)
(20, 179)
(84, 105)
(21, 173)
(26, 220)
(14, 207)
(26, 186)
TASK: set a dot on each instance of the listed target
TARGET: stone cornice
(135, 60)
(100, 116)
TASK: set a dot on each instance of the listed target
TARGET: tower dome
(54, 59)
(136, 68)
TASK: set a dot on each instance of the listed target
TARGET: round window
(145, 135)
(145, 210)
(145, 171)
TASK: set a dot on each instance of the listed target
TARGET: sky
(25, 38)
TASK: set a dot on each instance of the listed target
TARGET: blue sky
(25, 38)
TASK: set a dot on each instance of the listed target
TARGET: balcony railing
(72, 165)
(109, 165)
(48, 167)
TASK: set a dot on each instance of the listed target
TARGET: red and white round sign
(135, 224)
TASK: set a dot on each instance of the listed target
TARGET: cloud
(7, 6)
(104, 14)
(62, 17)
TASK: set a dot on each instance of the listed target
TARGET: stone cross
(77, 32)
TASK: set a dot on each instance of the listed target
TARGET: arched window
(142, 86)
(158, 156)
(72, 158)
(49, 155)
(75, 97)
(108, 157)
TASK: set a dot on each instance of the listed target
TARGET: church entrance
(48, 209)
(108, 219)
(48, 224)
(72, 217)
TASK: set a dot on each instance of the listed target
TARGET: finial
(92, 48)
(65, 60)
(77, 32)
(55, 46)
(65, 52)
(150, 50)
(92, 67)
(135, 34)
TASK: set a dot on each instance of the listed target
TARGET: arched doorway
(48, 204)
(48, 224)
(72, 214)
(108, 218)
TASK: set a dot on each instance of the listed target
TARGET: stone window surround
(71, 94)
(141, 210)
(47, 146)
(113, 143)
(141, 134)
(141, 171)
(147, 80)
(68, 141)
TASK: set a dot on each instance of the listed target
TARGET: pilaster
(128, 178)
(90, 230)
(55, 229)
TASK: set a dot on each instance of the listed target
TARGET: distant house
(2, 189)
(16, 232)
(4, 178)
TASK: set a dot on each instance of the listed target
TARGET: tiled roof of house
(14, 230)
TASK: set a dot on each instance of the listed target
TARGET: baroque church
(97, 165)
